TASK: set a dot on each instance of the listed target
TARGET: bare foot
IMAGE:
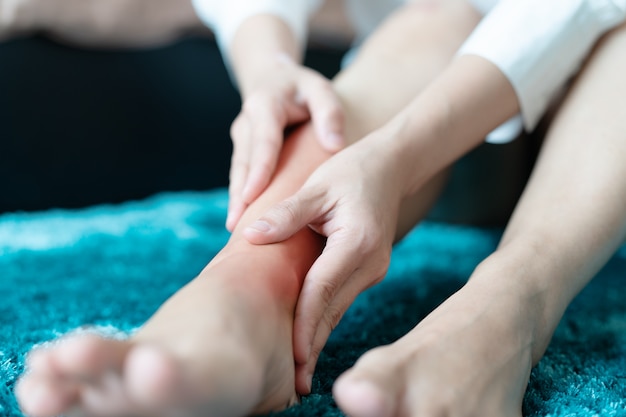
(221, 346)
(471, 356)
(101, 23)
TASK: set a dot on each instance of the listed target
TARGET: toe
(153, 378)
(372, 387)
(87, 357)
(45, 397)
(362, 398)
(40, 361)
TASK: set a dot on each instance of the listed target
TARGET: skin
(567, 224)
(277, 92)
(156, 368)
(364, 198)
(515, 297)
(167, 369)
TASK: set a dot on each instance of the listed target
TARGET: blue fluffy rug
(111, 266)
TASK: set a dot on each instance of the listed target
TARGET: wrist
(261, 45)
(450, 117)
(414, 144)
(257, 75)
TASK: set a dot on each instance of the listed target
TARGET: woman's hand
(353, 199)
(286, 94)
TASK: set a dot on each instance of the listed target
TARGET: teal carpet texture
(112, 266)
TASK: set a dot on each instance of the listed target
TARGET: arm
(449, 118)
(227, 17)
(262, 42)
(529, 50)
(540, 45)
(351, 197)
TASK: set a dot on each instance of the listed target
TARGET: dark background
(82, 127)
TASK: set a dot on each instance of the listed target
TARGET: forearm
(571, 217)
(251, 32)
(258, 46)
(450, 117)
(529, 51)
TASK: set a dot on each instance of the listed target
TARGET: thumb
(284, 219)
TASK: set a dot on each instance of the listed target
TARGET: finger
(326, 114)
(339, 260)
(331, 318)
(286, 218)
(235, 211)
(236, 205)
(267, 123)
(238, 170)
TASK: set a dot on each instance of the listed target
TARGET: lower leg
(242, 283)
(474, 353)
(205, 349)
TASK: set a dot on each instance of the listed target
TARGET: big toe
(165, 382)
(153, 377)
(362, 398)
(370, 388)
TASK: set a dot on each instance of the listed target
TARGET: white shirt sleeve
(540, 44)
(225, 16)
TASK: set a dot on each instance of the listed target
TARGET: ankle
(519, 287)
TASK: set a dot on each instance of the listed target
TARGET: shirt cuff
(225, 16)
(539, 45)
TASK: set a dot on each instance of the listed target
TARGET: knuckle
(385, 260)
(272, 142)
(238, 165)
(334, 112)
(381, 265)
(332, 317)
(236, 128)
(323, 90)
(369, 241)
(316, 351)
(288, 210)
(264, 165)
(327, 290)
(379, 275)
(253, 103)
(266, 104)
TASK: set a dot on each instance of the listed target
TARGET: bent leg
(397, 62)
(473, 355)
(181, 361)
(205, 350)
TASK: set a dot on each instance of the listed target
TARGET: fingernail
(260, 226)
